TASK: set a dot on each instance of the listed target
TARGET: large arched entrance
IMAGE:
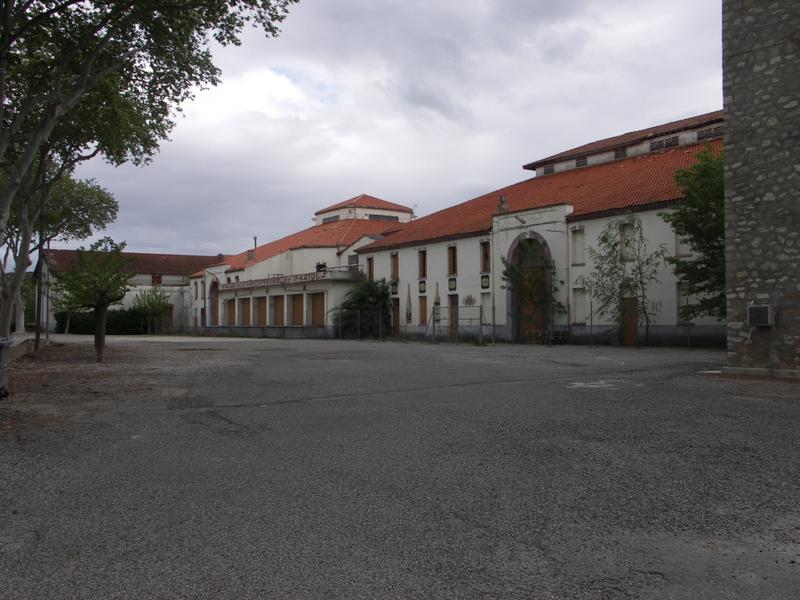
(213, 299)
(529, 281)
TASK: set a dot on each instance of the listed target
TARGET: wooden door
(230, 312)
(245, 320)
(297, 310)
(630, 322)
(318, 309)
(279, 311)
(423, 310)
(453, 301)
(261, 312)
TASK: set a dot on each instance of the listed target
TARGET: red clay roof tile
(618, 185)
(366, 201)
(337, 234)
(630, 138)
(142, 262)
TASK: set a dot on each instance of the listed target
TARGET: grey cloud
(426, 103)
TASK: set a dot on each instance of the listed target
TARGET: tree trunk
(19, 312)
(66, 325)
(100, 313)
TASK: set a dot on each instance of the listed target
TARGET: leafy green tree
(96, 279)
(366, 310)
(152, 303)
(66, 63)
(623, 266)
(532, 279)
(699, 221)
(72, 210)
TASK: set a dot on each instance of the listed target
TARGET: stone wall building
(761, 61)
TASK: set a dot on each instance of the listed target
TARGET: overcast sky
(417, 102)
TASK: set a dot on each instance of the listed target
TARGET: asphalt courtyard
(222, 468)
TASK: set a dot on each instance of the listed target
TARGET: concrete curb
(792, 374)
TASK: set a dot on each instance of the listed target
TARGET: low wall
(289, 333)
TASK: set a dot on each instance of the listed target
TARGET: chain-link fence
(360, 323)
(443, 323)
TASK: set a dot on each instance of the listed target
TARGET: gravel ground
(219, 468)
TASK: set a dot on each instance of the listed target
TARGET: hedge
(118, 322)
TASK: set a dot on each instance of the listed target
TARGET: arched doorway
(529, 281)
(213, 299)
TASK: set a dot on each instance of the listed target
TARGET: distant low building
(168, 272)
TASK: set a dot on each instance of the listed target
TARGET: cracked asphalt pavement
(209, 468)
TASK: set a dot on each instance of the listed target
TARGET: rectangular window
(452, 260)
(373, 217)
(682, 248)
(422, 256)
(549, 169)
(671, 142)
(486, 257)
(370, 268)
(626, 240)
(620, 153)
(580, 162)
(423, 310)
(330, 219)
(578, 247)
(659, 145)
(155, 279)
(352, 262)
(395, 266)
(195, 290)
(579, 305)
(710, 133)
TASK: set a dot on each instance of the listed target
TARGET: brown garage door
(279, 311)
(230, 311)
(318, 309)
(297, 310)
(245, 319)
(261, 312)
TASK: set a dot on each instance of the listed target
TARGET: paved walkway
(236, 468)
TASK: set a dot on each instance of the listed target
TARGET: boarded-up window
(395, 259)
(486, 257)
(370, 268)
(423, 310)
(578, 246)
(452, 260)
(422, 257)
(579, 309)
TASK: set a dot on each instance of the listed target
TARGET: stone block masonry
(761, 64)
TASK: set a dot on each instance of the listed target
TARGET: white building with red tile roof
(295, 281)
(454, 257)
